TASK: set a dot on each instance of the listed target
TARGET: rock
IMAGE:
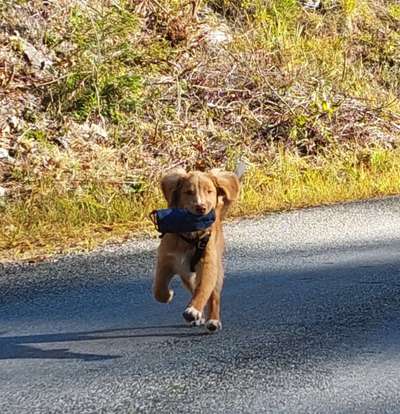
(15, 123)
(217, 36)
(88, 131)
(5, 156)
(61, 142)
(98, 130)
(312, 4)
(3, 192)
(35, 57)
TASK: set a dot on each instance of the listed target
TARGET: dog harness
(200, 244)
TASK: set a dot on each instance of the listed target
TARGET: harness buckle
(202, 243)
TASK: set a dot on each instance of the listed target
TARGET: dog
(197, 256)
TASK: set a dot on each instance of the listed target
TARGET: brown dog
(199, 192)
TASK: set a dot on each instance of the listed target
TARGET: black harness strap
(200, 244)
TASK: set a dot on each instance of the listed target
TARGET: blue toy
(180, 220)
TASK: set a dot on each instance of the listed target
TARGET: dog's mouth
(200, 213)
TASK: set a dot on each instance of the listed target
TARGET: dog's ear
(170, 184)
(227, 184)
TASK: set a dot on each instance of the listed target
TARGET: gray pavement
(311, 313)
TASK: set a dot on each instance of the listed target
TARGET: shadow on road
(331, 305)
(20, 347)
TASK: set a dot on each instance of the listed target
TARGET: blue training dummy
(180, 220)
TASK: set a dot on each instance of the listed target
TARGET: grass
(310, 98)
(102, 80)
(50, 222)
(293, 182)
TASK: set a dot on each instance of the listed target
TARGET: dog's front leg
(163, 276)
(214, 319)
(206, 279)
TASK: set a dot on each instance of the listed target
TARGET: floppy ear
(227, 184)
(170, 185)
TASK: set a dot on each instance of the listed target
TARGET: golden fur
(197, 192)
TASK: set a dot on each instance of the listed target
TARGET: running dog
(196, 256)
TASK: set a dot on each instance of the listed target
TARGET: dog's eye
(189, 192)
(209, 191)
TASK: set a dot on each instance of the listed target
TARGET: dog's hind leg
(161, 290)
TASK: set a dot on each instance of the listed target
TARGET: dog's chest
(181, 262)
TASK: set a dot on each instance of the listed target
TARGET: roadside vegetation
(99, 98)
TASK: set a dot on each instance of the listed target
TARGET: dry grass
(52, 222)
(136, 87)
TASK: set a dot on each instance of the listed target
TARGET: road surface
(311, 324)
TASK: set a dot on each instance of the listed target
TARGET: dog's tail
(241, 168)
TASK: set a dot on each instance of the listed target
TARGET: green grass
(293, 182)
(51, 222)
(101, 80)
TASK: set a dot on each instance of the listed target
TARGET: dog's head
(198, 191)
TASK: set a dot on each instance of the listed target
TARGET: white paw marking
(213, 325)
(191, 314)
(171, 296)
(198, 322)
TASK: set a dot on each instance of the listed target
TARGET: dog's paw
(191, 314)
(213, 325)
(163, 296)
(198, 322)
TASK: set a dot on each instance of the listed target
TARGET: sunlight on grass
(293, 182)
(54, 222)
(308, 96)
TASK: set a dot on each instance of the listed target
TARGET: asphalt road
(311, 324)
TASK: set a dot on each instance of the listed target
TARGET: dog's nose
(200, 208)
